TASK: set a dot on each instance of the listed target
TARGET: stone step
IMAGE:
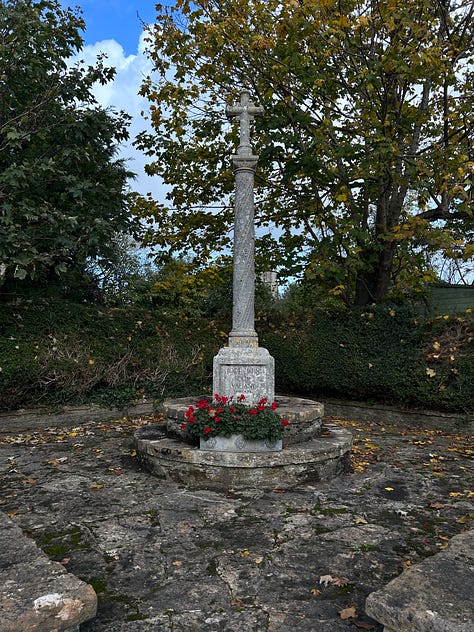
(435, 595)
(37, 594)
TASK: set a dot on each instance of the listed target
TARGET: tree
(366, 149)
(63, 192)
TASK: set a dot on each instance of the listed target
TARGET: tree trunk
(373, 285)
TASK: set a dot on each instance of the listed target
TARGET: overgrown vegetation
(56, 352)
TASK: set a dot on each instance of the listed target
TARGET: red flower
(189, 412)
(224, 400)
(202, 403)
(217, 419)
(285, 422)
(232, 409)
(183, 426)
(264, 400)
(261, 408)
(242, 397)
(207, 430)
(219, 410)
(252, 412)
(274, 406)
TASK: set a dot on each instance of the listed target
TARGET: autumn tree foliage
(63, 191)
(366, 148)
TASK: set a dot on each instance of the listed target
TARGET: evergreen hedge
(55, 352)
(387, 354)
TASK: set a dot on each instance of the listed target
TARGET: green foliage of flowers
(226, 416)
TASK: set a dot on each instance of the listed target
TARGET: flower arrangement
(226, 416)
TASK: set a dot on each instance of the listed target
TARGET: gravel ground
(168, 558)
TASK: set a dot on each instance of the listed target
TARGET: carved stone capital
(244, 163)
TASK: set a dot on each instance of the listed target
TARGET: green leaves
(367, 108)
(62, 190)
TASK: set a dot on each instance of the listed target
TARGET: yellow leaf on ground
(464, 519)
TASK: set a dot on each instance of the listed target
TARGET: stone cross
(244, 163)
(245, 112)
(243, 366)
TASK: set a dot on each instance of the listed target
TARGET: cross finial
(245, 112)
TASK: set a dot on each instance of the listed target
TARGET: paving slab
(435, 595)
(37, 594)
(162, 556)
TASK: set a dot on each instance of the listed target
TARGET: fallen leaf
(389, 489)
(177, 563)
(96, 486)
(464, 519)
(437, 506)
(116, 470)
(258, 560)
(244, 553)
(348, 613)
(237, 602)
(325, 579)
(360, 520)
(334, 581)
(341, 581)
(29, 481)
(315, 592)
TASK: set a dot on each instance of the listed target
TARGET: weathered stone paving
(166, 558)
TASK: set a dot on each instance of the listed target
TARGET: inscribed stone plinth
(244, 370)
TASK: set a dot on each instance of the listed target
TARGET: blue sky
(120, 20)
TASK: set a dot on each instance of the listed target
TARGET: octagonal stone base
(315, 460)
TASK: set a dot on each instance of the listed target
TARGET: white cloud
(122, 94)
